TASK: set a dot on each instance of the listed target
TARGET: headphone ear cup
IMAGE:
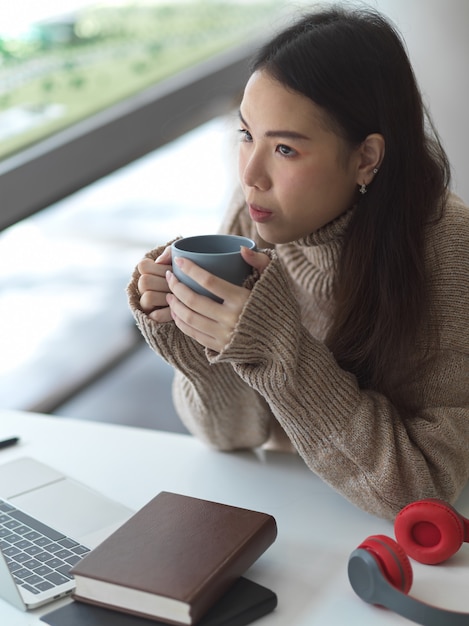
(392, 560)
(430, 531)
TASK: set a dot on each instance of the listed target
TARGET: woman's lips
(259, 214)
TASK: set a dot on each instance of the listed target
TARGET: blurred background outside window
(63, 60)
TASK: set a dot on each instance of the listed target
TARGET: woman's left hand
(208, 322)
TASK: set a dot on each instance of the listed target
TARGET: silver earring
(375, 171)
(363, 189)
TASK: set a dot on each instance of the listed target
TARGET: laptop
(48, 521)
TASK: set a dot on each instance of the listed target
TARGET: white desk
(317, 528)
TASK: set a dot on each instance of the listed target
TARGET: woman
(350, 342)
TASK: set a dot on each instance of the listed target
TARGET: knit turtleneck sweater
(276, 383)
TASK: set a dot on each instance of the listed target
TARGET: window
(61, 69)
(85, 90)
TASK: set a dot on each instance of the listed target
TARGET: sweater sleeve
(213, 402)
(355, 439)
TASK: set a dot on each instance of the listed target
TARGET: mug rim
(250, 243)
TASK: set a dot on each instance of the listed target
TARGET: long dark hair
(353, 64)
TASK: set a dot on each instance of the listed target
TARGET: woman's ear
(371, 153)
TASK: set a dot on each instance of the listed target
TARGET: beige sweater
(277, 384)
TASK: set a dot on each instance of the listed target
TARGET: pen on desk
(6, 443)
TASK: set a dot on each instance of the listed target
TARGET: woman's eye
(285, 150)
(245, 135)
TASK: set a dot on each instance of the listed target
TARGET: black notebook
(243, 603)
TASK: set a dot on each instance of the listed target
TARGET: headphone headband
(371, 585)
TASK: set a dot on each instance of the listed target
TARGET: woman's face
(297, 175)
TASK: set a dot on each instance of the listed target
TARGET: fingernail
(179, 261)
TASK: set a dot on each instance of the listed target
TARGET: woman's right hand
(153, 287)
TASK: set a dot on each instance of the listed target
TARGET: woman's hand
(208, 322)
(153, 287)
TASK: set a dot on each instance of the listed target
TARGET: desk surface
(317, 528)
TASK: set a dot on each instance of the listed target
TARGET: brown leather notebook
(174, 558)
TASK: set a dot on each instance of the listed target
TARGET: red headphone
(430, 531)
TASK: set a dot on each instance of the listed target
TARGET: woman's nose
(254, 172)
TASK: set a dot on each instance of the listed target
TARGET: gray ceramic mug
(218, 254)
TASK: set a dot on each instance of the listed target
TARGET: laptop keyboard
(38, 556)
